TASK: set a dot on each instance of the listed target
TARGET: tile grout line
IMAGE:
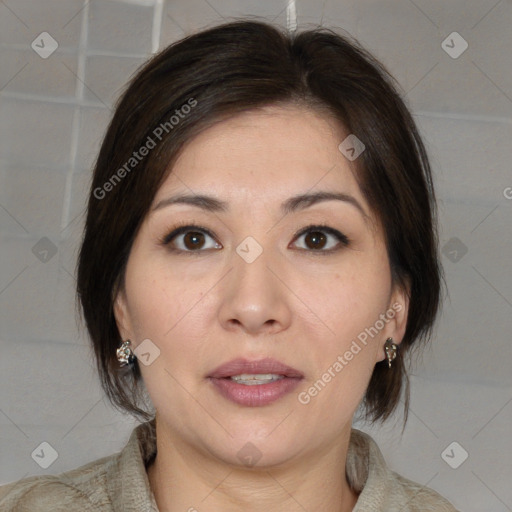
(70, 50)
(59, 100)
(291, 16)
(456, 116)
(75, 130)
(158, 16)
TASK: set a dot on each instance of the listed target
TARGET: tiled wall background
(53, 112)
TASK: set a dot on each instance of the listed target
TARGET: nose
(254, 296)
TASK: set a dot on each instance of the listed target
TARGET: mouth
(248, 379)
(263, 369)
(255, 383)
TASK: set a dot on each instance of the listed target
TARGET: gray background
(53, 112)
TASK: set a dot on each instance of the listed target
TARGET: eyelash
(185, 227)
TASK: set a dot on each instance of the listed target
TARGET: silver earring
(391, 349)
(125, 354)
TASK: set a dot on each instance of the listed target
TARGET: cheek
(348, 305)
(167, 310)
(172, 311)
(352, 298)
(160, 300)
(344, 354)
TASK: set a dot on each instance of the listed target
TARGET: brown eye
(322, 239)
(193, 240)
(315, 240)
(190, 239)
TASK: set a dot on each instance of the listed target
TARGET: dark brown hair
(220, 72)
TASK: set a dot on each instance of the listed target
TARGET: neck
(185, 479)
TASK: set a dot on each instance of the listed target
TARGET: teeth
(254, 379)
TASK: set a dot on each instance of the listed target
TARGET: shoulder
(419, 498)
(383, 489)
(81, 489)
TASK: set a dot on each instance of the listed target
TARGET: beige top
(119, 483)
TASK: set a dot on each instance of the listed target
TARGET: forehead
(264, 155)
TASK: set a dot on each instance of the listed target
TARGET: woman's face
(249, 281)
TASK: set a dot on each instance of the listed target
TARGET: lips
(247, 392)
(263, 366)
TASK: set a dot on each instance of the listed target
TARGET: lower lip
(256, 395)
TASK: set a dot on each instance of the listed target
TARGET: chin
(252, 449)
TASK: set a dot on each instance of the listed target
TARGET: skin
(295, 303)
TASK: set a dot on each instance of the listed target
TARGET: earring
(391, 349)
(125, 355)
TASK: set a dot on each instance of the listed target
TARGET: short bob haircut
(232, 68)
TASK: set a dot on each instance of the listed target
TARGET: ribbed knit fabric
(119, 483)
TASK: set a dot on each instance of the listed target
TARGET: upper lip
(261, 366)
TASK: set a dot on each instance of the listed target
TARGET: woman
(259, 256)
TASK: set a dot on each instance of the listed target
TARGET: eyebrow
(293, 204)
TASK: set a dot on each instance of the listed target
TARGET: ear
(121, 315)
(398, 309)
